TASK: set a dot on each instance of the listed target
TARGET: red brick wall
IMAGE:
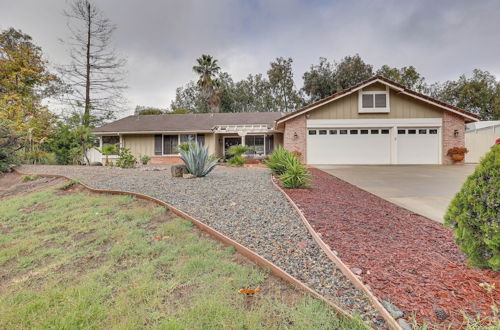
(296, 126)
(452, 122)
(164, 160)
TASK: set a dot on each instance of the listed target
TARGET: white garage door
(349, 146)
(418, 145)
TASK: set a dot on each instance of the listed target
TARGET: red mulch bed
(405, 258)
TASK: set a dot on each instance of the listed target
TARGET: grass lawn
(74, 259)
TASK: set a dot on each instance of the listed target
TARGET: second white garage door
(349, 146)
(418, 145)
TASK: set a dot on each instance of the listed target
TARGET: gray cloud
(161, 39)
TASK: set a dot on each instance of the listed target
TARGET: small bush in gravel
(474, 213)
(296, 175)
(197, 160)
(145, 159)
(237, 153)
(125, 158)
(279, 159)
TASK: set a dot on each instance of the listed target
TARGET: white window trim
(374, 109)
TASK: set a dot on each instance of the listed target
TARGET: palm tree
(208, 69)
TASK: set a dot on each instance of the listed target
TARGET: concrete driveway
(423, 189)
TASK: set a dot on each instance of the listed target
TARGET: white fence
(479, 142)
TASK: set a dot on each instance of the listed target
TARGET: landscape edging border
(251, 255)
(340, 264)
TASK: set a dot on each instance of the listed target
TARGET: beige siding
(139, 144)
(401, 106)
(210, 143)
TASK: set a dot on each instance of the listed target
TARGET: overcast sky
(161, 39)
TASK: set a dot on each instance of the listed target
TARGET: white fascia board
(406, 122)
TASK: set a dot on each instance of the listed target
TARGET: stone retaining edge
(251, 255)
(340, 264)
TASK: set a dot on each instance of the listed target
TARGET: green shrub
(145, 159)
(37, 156)
(279, 159)
(296, 175)
(237, 153)
(474, 213)
(9, 143)
(68, 184)
(197, 160)
(29, 177)
(125, 158)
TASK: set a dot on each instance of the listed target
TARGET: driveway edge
(340, 264)
(251, 255)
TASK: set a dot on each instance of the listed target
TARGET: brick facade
(294, 137)
(165, 160)
(452, 122)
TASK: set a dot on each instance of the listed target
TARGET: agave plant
(197, 160)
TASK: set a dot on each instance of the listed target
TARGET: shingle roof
(388, 81)
(187, 122)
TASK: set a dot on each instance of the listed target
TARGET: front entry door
(229, 142)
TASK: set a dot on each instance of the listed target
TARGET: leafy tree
(10, 143)
(282, 85)
(208, 69)
(95, 72)
(188, 98)
(63, 143)
(145, 110)
(474, 213)
(406, 76)
(25, 82)
(479, 94)
(254, 94)
(319, 81)
(350, 71)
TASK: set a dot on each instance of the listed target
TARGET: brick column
(294, 137)
(452, 122)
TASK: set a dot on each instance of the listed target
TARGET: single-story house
(479, 138)
(377, 121)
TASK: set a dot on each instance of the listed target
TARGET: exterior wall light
(455, 132)
(295, 135)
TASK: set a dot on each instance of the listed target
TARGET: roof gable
(387, 82)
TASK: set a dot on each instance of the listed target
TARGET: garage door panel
(349, 146)
(418, 146)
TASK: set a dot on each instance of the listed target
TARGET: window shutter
(157, 144)
(380, 101)
(367, 100)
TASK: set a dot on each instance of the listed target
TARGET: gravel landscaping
(243, 204)
(408, 260)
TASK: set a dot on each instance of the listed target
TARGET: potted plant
(457, 153)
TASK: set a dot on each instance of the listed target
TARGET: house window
(353, 131)
(384, 131)
(333, 131)
(170, 143)
(200, 138)
(256, 143)
(433, 131)
(112, 140)
(374, 101)
(158, 144)
(422, 131)
(412, 131)
(343, 131)
(322, 132)
(374, 131)
(188, 138)
(401, 131)
(312, 132)
(364, 131)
